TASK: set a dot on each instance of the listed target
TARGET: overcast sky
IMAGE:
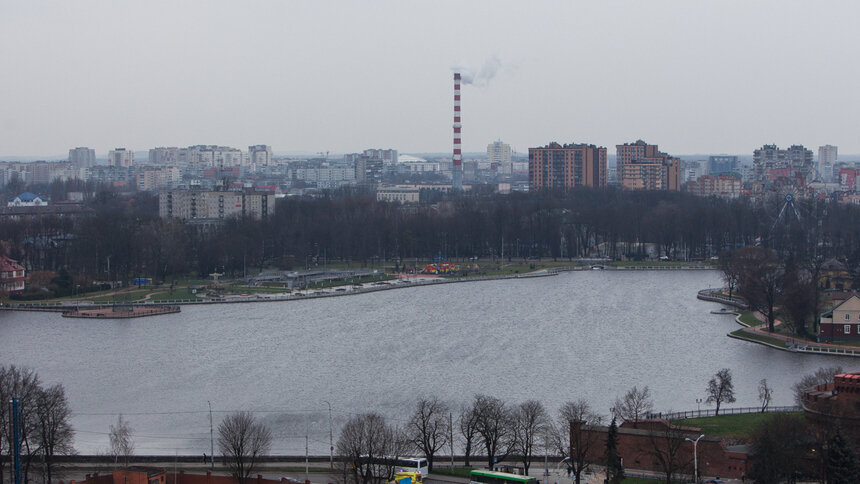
(342, 76)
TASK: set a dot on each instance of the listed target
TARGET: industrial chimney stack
(457, 166)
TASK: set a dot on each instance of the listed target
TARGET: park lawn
(640, 480)
(748, 335)
(749, 319)
(181, 293)
(123, 296)
(726, 425)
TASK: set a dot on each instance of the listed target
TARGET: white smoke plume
(478, 77)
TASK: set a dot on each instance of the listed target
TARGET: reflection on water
(588, 335)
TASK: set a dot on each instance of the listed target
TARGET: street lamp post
(695, 457)
(699, 405)
(330, 438)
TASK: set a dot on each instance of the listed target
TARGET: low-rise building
(842, 323)
(725, 186)
(644, 445)
(12, 276)
(402, 194)
(26, 199)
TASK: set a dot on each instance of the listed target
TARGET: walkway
(793, 344)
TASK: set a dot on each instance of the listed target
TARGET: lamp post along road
(330, 439)
(695, 457)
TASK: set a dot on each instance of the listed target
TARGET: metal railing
(723, 411)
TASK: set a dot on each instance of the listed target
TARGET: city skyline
(303, 78)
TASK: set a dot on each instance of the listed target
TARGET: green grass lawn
(748, 318)
(124, 296)
(726, 425)
(182, 293)
(760, 337)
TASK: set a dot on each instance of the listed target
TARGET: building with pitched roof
(842, 323)
(12, 276)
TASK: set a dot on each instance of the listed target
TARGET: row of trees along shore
(486, 426)
(125, 238)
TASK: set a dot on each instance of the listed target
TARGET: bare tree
(366, 446)
(821, 376)
(428, 427)
(666, 447)
(721, 389)
(121, 441)
(468, 426)
(55, 433)
(635, 405)
(575, 420)
(530, 423)
(494, 425)
(765, 394)
(243, 440)
(24, 384)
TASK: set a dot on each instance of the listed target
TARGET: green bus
(492, 477)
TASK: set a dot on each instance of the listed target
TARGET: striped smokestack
(457, 167)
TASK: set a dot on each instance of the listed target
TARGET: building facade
(368, 170)
(121, 157)
(215, 205)
(724, 186)
(260, 155)
(82, 157)
(164, 156)
(498, 152)
(567, 167)
(827, 156)
(12, 276)
(835, 405)
(644, 167)
(796, 159)
(842, 323)
(722, 164)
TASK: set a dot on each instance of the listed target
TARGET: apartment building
(566, 167)
(203, 205)
(644, 167)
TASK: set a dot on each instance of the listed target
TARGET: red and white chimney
(457, 166)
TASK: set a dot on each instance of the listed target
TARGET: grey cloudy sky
(692, 76)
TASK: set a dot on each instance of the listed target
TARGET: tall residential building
(164, 156)
(827, 155)
(499, 152)
(644, 167)
(795, 159)
(720, 164)
(556, 166)
(121, 157)
(368, 170)
(82, 157)
(260, 155)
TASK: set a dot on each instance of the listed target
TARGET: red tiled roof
(7, 264)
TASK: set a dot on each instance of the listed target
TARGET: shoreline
(792, 345)
(334, 291)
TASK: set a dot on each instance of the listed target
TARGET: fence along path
(723, 411)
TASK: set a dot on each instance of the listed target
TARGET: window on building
(847, 317)
(847, 329)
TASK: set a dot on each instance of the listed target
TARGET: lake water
(589, 335)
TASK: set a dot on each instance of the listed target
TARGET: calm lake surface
(590, 335)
